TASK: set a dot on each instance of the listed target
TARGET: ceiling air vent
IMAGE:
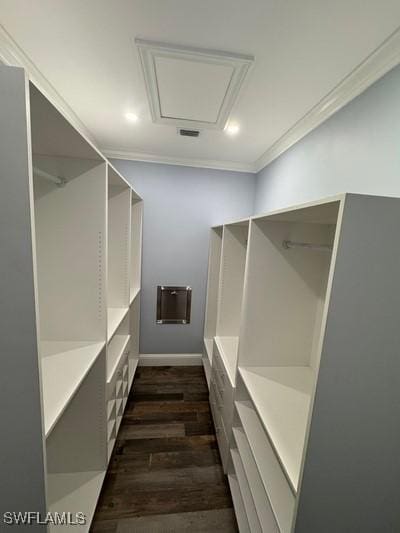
(188, 133)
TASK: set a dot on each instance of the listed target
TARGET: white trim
(376, 65)
(11, 54)
(170, 359)
(180, 161)
(149, 51)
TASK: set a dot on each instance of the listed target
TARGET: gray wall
(180, 205)
(356, 150)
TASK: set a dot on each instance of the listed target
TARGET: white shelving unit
(230, 292)
(227, 260)
(134, 328)
(228, 348)
(237, 499)
(64, 366)
(282, 398)
(316, 385)
(119, 245)
(210, 322)
(115, 315)
(66, 222)
(136, 246)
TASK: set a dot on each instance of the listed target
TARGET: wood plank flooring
(165, 474)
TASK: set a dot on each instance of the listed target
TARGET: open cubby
(134, 328)
(283, 313)
(69, 186)
(136, 246)
(117, 347)
(269, 480)
(231, 282)
(119, 224)
(76, 449)
(214, 263)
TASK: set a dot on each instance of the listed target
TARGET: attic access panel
(191, 87)
(173, 305)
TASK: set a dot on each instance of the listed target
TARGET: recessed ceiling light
(132, 117)
(232, 129)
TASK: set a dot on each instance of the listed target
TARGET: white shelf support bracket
(308, 245)
(60, 182)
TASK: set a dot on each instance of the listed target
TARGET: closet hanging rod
(307, 245)
(60, 182)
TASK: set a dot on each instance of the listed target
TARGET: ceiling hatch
(191, 87)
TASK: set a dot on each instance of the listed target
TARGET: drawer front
(222, 439)
(224, 387)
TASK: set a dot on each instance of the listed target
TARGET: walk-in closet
(199, 269)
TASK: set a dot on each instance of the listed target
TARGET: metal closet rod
(60, 182)
(307, 245)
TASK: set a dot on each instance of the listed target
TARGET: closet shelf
(282, 397)
(110, 408)
(133, 363)
(257, 489)
(119, 344)
(238, 504)
(247, 497)
(133, 294)
(275, 482)
(64, 367)
(228, 349)
(110, 428)
(115, 316)
(74, 492)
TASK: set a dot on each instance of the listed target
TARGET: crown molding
(11, 54)
(376, 65)
(180, 161)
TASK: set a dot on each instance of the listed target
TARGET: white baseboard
(170, 359)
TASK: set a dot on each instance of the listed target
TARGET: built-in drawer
(224, 387)
(220, 431)
(276, 485)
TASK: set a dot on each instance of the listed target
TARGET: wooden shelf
(115, 316)
(75, 493)
(282, 397)
(245, 492)
(276, 485)
(119, 344)
(228, 349)
(64, 367)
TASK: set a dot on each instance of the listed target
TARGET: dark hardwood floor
(165, 474)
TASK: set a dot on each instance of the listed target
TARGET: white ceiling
(302, 49)
(203, 98)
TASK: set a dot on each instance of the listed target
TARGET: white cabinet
(210, 321)
(313, 439)
(70, 245)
